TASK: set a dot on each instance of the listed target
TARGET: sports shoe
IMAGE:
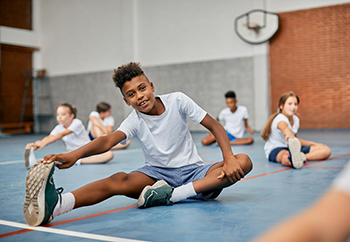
(29, 158)
(41, 194)
(294, 147)
(156, 195)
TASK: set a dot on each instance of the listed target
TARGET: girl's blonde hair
(265, 133)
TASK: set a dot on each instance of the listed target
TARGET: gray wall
(205, 82)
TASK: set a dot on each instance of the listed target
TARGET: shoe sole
(26, 158)
(34, 204)
(294, 147)
(141, 200)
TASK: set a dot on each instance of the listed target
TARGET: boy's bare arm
(232, 168)
(97, 146)
(249, 129)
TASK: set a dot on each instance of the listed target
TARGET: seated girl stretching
(280, 134)
(73, 134)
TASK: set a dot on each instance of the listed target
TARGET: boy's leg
(43, 199)
(163, 194)
(120, 183)
(211, 183)
(209, 139)
(243, 141)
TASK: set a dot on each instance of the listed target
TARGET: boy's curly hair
(126, 72)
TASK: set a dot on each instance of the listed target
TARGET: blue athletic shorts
(273, 154)
(90, 136)
(230, 136)
(176, 177)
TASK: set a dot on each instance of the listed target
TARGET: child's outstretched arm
(95, 147)
(39, 144)
(283, 126)
(232, 168)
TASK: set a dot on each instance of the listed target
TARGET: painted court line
(66, 232)
(69, 220)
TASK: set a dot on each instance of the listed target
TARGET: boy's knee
(246, 163)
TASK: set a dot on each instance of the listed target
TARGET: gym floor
(269, 194)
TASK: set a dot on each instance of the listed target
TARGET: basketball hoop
(256, 26)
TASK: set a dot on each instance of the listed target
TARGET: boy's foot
(41, 194)
(29, 158)
(294, 147)
(156, 195)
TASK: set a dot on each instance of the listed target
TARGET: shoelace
(59, 192)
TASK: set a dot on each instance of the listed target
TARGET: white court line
(11, 162)
(22, 161)
(66, 232)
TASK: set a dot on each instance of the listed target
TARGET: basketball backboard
(256, 26)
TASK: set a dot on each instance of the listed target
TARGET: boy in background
(236, 121)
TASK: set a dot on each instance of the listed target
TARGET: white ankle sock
(64, 206)
(183, 192)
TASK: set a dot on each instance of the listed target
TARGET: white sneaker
(294, 147)
(29, 158)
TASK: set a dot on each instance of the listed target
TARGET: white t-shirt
(108, 121)
(342, 182)
(277, 138)
(165, 139)
(74, 140)
(234, 122)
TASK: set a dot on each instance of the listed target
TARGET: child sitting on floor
(72, 132)
(236, 121)
(280, 133)
(101, 123)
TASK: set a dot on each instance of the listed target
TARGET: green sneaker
(41, 194)
(156, 195)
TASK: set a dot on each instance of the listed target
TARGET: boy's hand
(62, 161)
(250, 130)
(232, 170)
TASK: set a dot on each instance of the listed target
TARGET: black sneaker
(41, 194)
(156, 195)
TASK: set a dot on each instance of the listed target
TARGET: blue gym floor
(269, 194)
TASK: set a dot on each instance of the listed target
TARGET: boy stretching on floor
(174, 171)
(236, 121)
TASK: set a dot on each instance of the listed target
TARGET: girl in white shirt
(73, 134)
(280, 134)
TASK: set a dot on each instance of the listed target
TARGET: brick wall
(310, 55)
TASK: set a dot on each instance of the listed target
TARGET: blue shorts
(273, 154)
(176, 177)
(90, 136)
(230, 136)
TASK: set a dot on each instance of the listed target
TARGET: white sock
(64, 206)
(183, 192)
(32, 159)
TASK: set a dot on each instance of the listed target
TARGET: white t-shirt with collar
(165, 139)
(108, 121)
(74, 140)
(277, 138)
(234, 122)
